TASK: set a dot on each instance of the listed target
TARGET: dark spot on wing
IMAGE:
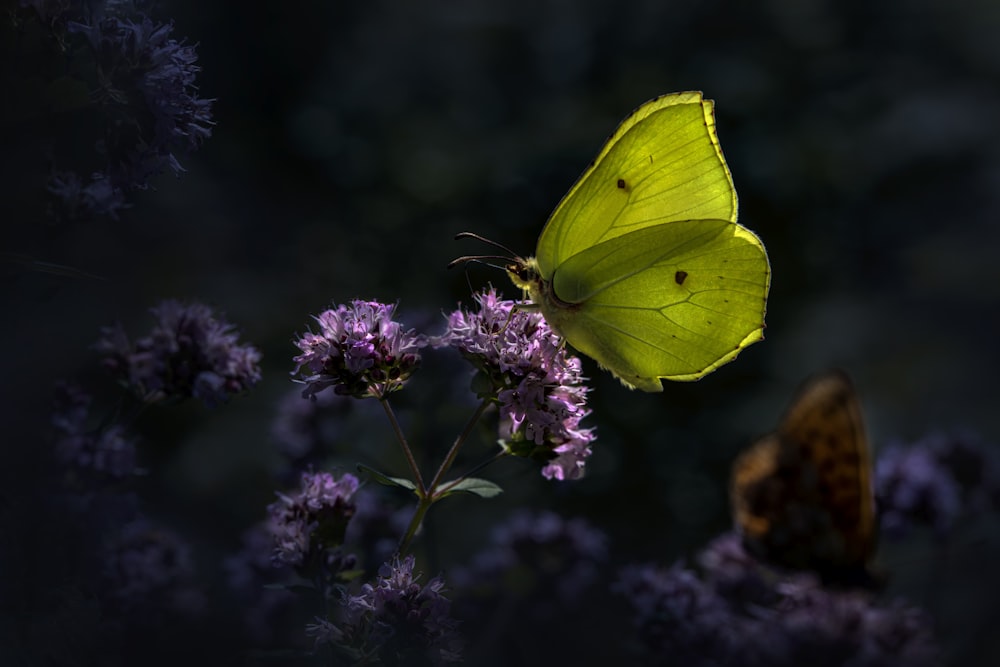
(680, 277)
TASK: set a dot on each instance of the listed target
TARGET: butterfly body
(802, 496)
(642, 265)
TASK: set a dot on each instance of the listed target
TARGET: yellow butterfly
(802, 496)
(642, 265)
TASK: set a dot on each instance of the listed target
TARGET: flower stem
(417, 478)
(426, 495)
(459, 441)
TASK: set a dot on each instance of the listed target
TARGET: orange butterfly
(802, 496)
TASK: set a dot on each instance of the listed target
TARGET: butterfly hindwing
(671, 302)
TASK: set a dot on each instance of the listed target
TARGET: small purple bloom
(537, 383)
(360, 351)
(912, 486)
(308, 526)
(304, 429)
(107, 451)
(396, 618)
(137, 61)
(248, 572)
(149, 568)
(737, 612)
(76, 200)
(189, 353)
(561, 558)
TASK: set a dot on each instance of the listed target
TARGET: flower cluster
(148, 567)
(538, 385)
(395, 618)
(141, 83)
(933, 482)
(190, 352)
(107, 451)
(736, 613)
(309, 525)
(554, 560)
(360, 351)
(302, 429)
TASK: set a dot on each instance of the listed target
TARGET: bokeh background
(354, 140)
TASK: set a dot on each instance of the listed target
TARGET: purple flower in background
(738, 612)
(912, 486)
(679, 619)
(360, 351)
(144, 108)
(149, 568)
(76, 200)
(248, 573)
(190, 352)
(106, 451)
(974, 466)
(555, 560)
(303, 430)
(308, 526)
(138, 61)
(537, 383)
(395, 618)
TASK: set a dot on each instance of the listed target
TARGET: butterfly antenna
(470, 235)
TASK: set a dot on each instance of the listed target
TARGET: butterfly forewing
(662, 164)
(802, 496)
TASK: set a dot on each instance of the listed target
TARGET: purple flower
(106, 451)
(395, 618)
(360, 351)
(190, 352)
(148, 567)
(737, 612)
(556, 559)
(248, 572)
(538, 385)
(148, 79)
(144, 108)
(912, 486)
(303, 429)
(974, 466)
(309, 526)
(76, 200)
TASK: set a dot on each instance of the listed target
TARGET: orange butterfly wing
(802, 496)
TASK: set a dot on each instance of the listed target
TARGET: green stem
(459, 441)
(426, 495)
(423, 505)
(421, 489)
(447, 487)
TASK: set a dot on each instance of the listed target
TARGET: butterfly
(802, 496)
(642, 265)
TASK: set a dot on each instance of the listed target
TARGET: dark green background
(355, 139)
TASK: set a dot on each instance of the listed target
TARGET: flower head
(555, 559)
(148, 567)
(402, 621)
(308, 526)
(738, 612)
(107, 451)
(913, 487)
(536, 382)
(360, 351)
(190, 352)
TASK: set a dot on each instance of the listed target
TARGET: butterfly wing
(826, 426)
(670, 301)
(662, 164)
(801, 496)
